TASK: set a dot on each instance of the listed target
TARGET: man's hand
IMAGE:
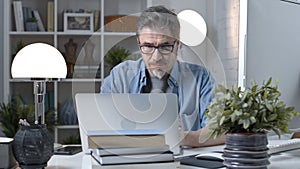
(296, 135)
(197, 138)
(182, 133)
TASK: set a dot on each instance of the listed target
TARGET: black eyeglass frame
(158, 47)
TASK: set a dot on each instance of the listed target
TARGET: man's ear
(137, 39)
(178, 44)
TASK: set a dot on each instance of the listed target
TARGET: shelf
(20, 80)
(98, 33)
(83, 77)
(69, 80)
(30, 33)
(81, 80)
(66, 126)
(79, 34)
(63, 127)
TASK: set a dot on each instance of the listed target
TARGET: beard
(158, 73)
(162, 67)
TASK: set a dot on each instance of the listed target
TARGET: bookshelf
(86, 74)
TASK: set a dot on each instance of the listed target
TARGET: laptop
(118, 111)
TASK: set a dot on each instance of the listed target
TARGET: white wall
(273, 48)
(1, 51)
(1, 57)
(223, 34)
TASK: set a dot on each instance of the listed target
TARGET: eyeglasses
(162, 48)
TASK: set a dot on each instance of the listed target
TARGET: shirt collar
(174, 76)
(142, 72)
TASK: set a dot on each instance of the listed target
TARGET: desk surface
(288, 160)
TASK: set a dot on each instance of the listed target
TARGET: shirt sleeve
(207, 87)
(120, 78)
(106, 85)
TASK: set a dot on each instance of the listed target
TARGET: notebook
(199, 162)
(98, 111)
(277, 146)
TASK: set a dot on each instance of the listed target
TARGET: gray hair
(159, 18)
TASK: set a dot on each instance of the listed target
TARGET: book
(277, 146)
(134, 158)
(50, 16)
(25, 14)
(125, 138)
(18, 12)
(96, 15)
(37, 16)
(131, 150)
(30, 12)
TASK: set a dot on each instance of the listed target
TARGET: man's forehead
(152, 33)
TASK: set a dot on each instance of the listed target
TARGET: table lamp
(32, 145)
(40, 62)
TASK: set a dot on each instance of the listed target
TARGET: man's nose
(156, 55)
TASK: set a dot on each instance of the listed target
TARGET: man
(158, 70)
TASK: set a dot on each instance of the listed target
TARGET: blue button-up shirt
(192, 83)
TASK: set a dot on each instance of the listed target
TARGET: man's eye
(147, 47)
(166, 47)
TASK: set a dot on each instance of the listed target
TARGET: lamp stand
(33, 145)
(39, 88)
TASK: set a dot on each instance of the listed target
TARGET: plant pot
(246, 150)
(32, 146)
(31, 26)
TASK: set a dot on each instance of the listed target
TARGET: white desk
(288, 160)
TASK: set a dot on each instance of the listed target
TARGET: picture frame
(78, 22)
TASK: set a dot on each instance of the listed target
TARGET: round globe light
(193, 27)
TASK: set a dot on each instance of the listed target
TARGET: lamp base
(39, 166)
(33, 146)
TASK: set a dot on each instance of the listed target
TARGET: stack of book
(129, 146)
(26, 14)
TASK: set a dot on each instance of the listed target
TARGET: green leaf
(272, 117)
(289, 109)
(222, 120)
(233, 117)
(252, 119)
(269, 107)
(227, 112)
(269, 81)
(254, 88)
(246, 124)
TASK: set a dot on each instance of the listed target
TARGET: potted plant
(114, 56)
(31, 24)
(245, 116)
(12, 112)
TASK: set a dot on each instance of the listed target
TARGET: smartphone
(68, 150)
